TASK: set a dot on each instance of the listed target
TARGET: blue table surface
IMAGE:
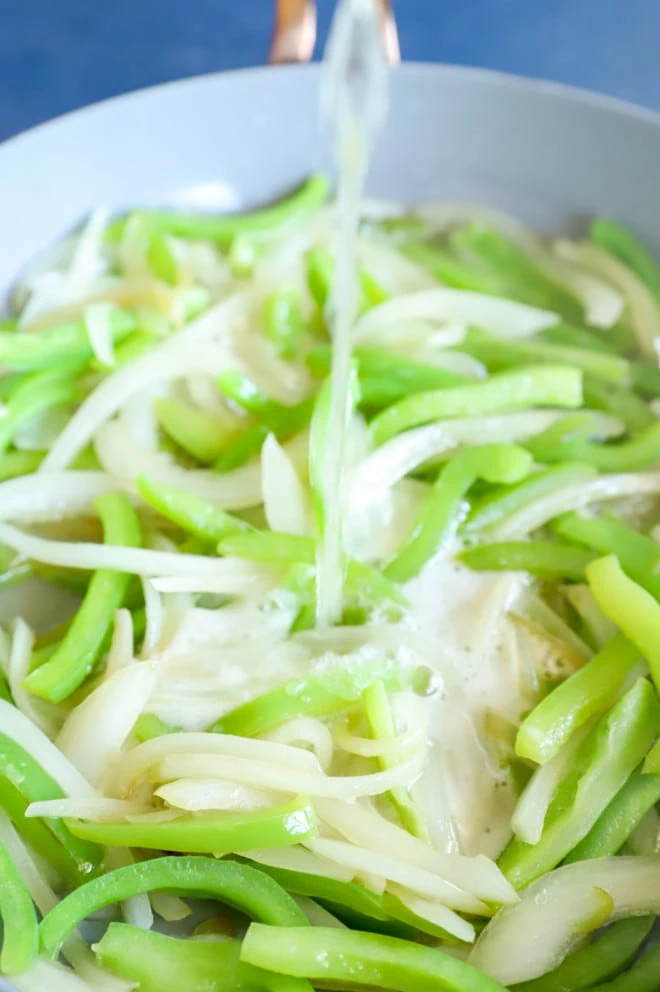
(56, 55)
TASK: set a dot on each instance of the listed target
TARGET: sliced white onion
(403, 454)
(187, 353)
(123, 457)
(574, 497)
(97, 320)
(365, 827)
(263, 776)
(121, 647)
(136, 762)
(54, 977)
(136, 910)
(196, 795)
(644, 311)
(527, 940)
(170, 908)
(393, 270)
(153, 605)
(254, 580)
(434, 912)
(366, 747)
(416, 879)
(490, 313)
(87, 256)
(530, 813)
(38, 433)
(136, 561)
(68, 494)
(21, 730)
(139, 417)
(96, 730)
(34, 880)
(299, 859)
(286, 502)
(99, 810)
(42, 714)
(305, 730)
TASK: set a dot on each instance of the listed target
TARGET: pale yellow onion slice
(416, 879)
(527, 940)
(491, 313)
(97, 729)
(263, 775)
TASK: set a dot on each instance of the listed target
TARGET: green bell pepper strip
(189, 511)
(646, 380)
(240, 886)
(158, 963)
(346, 958)
(643, 976)
(380, 365)
(58, 345)
(381, 725)
(16, 574)
(134, 345)
(5, 692)
(540, 558)
(541, 385)
(602, 764)
(320, 271)
(376, 394)
(37, 393)
(415, 377)
(495, 463)
(284, 322)
(241, 391)
(618, 821)
(497, 354)
(586, 693)
(494, 507)
(354, 904)
(25, 782)
(223, 228)
(367, 584)
(524, 278)
(451, 271)
(620, 401)
(20, 937)
(320, 275)
(37, 834)
(638, 555)
(240, 451)
(556, 444)
(201, 434)
(632, 608)
(157, 253)
(15, 463)
(80, 649)
(597, 962)
(148, 725)
(209, 833)
(317, 694)
(624, 245)
(580, 337)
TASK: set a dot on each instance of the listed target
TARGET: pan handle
(294, 35)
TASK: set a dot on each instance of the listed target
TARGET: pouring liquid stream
(353, 106)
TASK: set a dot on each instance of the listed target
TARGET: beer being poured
(353, 106)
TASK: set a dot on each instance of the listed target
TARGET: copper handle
(294, 36)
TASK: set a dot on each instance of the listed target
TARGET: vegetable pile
(455, 786)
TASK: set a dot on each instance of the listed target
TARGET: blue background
(56, 55)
